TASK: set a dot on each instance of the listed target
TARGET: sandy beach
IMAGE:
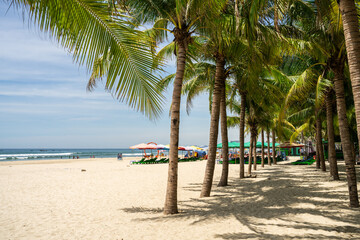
(111, 199)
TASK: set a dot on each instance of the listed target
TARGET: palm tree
(320, 159)
(273, 147)
(219, 46)
(182, 19)
(268, 146)
(336, 62)
(262, 148)
(352, 40)
(331, 136)
(224, 135)
(347, 145)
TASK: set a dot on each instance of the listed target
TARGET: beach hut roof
(290, 145)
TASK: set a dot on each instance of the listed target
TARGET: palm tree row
(275, 64)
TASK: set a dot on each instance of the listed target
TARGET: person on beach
(119, 156)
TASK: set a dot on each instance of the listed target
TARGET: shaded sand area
(115, 200)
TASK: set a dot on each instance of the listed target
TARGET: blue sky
(44, 102)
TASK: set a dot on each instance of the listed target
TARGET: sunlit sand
(111, 199)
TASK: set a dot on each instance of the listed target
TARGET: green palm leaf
(87, 29)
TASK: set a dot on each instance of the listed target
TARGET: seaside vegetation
(287, 68)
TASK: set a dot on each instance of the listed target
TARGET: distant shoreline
(64, 160)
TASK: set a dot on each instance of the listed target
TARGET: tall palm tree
(350, 21)
(347, 145)
(337, 64)
(331, 136)
(182, 19)
(268, 146)
(262, 148)
(221, 46)
(273, 147)
(224, 135)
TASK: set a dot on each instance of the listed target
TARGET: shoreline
(63, 160)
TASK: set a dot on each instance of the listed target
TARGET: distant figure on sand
(119, 156)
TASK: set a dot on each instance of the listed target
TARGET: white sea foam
(27, 155)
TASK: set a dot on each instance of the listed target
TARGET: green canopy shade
(246, 145)
(230, 144)
(276, 144)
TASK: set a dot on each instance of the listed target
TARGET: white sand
(115, 200)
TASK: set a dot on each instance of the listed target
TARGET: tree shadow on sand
(281, 198)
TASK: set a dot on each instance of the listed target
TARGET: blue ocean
(46, 154)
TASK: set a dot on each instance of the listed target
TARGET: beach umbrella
(162, 146)
(190, 148)
(197, 148)
(144, 146)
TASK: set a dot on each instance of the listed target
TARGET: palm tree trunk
(237, 15)
(338, 68)
(254, 149)
(352, 42)
(276, 18)
(224, 137)
(171, 190)
(262, 148)
(250, 153)
(331, 136)
(242, 134)
(214, 126)
(317, 155)
(268, 146)
(319, 142)
(303, 142)
(273, 147)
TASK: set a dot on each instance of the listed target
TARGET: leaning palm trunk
(214, 125)
(338, 68)
(224, 137)
(262, 148)
(171, 190)
(352, 40)
(320, 154)
(250, 153)
(273, 147)
(331, 136)
(242, 134)
(268, 146)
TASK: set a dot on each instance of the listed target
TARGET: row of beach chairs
(163, 160)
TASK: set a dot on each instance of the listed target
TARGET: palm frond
(87, 29)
